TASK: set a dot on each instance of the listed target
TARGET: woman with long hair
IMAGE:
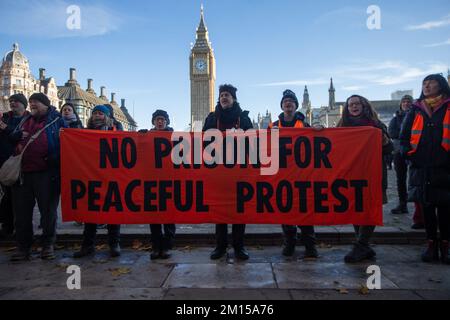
(359, 112)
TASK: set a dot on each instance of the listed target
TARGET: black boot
(164, 254)
(288, 249)
(431, 253)
(21, 255)
(359, 252)
(218, 253)
(114, 250)
(402, 208)
(155, 254)
(241, 254)
(166, 246)
(311, 251)
(48, 253)
(84, 251)
(444, 252)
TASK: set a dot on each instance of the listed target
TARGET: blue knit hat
(103, 109)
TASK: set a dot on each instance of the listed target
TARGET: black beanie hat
(21, 98)
(443, 84)
(160, 113)
(228, 88)
(289, 94)
(40, 97)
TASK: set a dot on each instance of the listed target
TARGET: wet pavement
(190, 275)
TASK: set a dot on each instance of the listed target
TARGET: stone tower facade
(202, 66)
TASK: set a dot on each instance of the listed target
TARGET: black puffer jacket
(429, 174)
(396, 124)
(214, 118)
(394, 128)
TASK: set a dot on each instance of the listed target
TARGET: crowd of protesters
(418, 139)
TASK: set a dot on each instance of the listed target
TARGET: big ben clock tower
(203, 76)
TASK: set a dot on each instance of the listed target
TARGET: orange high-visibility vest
(417, 130)
(298, 124)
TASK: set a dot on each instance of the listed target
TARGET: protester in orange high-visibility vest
(358, 112)
(100, 120)
(291, 118)
(425, 142)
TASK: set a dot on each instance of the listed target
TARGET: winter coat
(429, 171)
(50, 135)
(213, 119)
(7, 141)
(394, 128)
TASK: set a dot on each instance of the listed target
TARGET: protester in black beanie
(42, 98)
(19, 97)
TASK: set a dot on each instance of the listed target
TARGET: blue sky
(140, 49)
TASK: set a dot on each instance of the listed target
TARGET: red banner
(287, 176)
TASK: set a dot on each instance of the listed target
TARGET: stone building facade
(16, 77)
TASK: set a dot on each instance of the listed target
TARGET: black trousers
(6, 210)
(433, 220)
(290, 235)
(90, 232)
(238, 231)
(401, 170)
(43, 188)
(162, 240)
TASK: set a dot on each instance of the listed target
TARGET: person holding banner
(117, 125)
(161, 242)
(228, 115)
(425, 142)
(359, 112)
(100, 120)
(290, 118)
(70, 116)
(39, 141)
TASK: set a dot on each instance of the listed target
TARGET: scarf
(99, 124)
(434, 103)
(361, 121)
(70, 119)
(228, 116)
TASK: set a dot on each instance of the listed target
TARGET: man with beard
(40, 178)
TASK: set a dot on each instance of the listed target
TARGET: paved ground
(190, 274)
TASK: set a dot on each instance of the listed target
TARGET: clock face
(200, 65)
